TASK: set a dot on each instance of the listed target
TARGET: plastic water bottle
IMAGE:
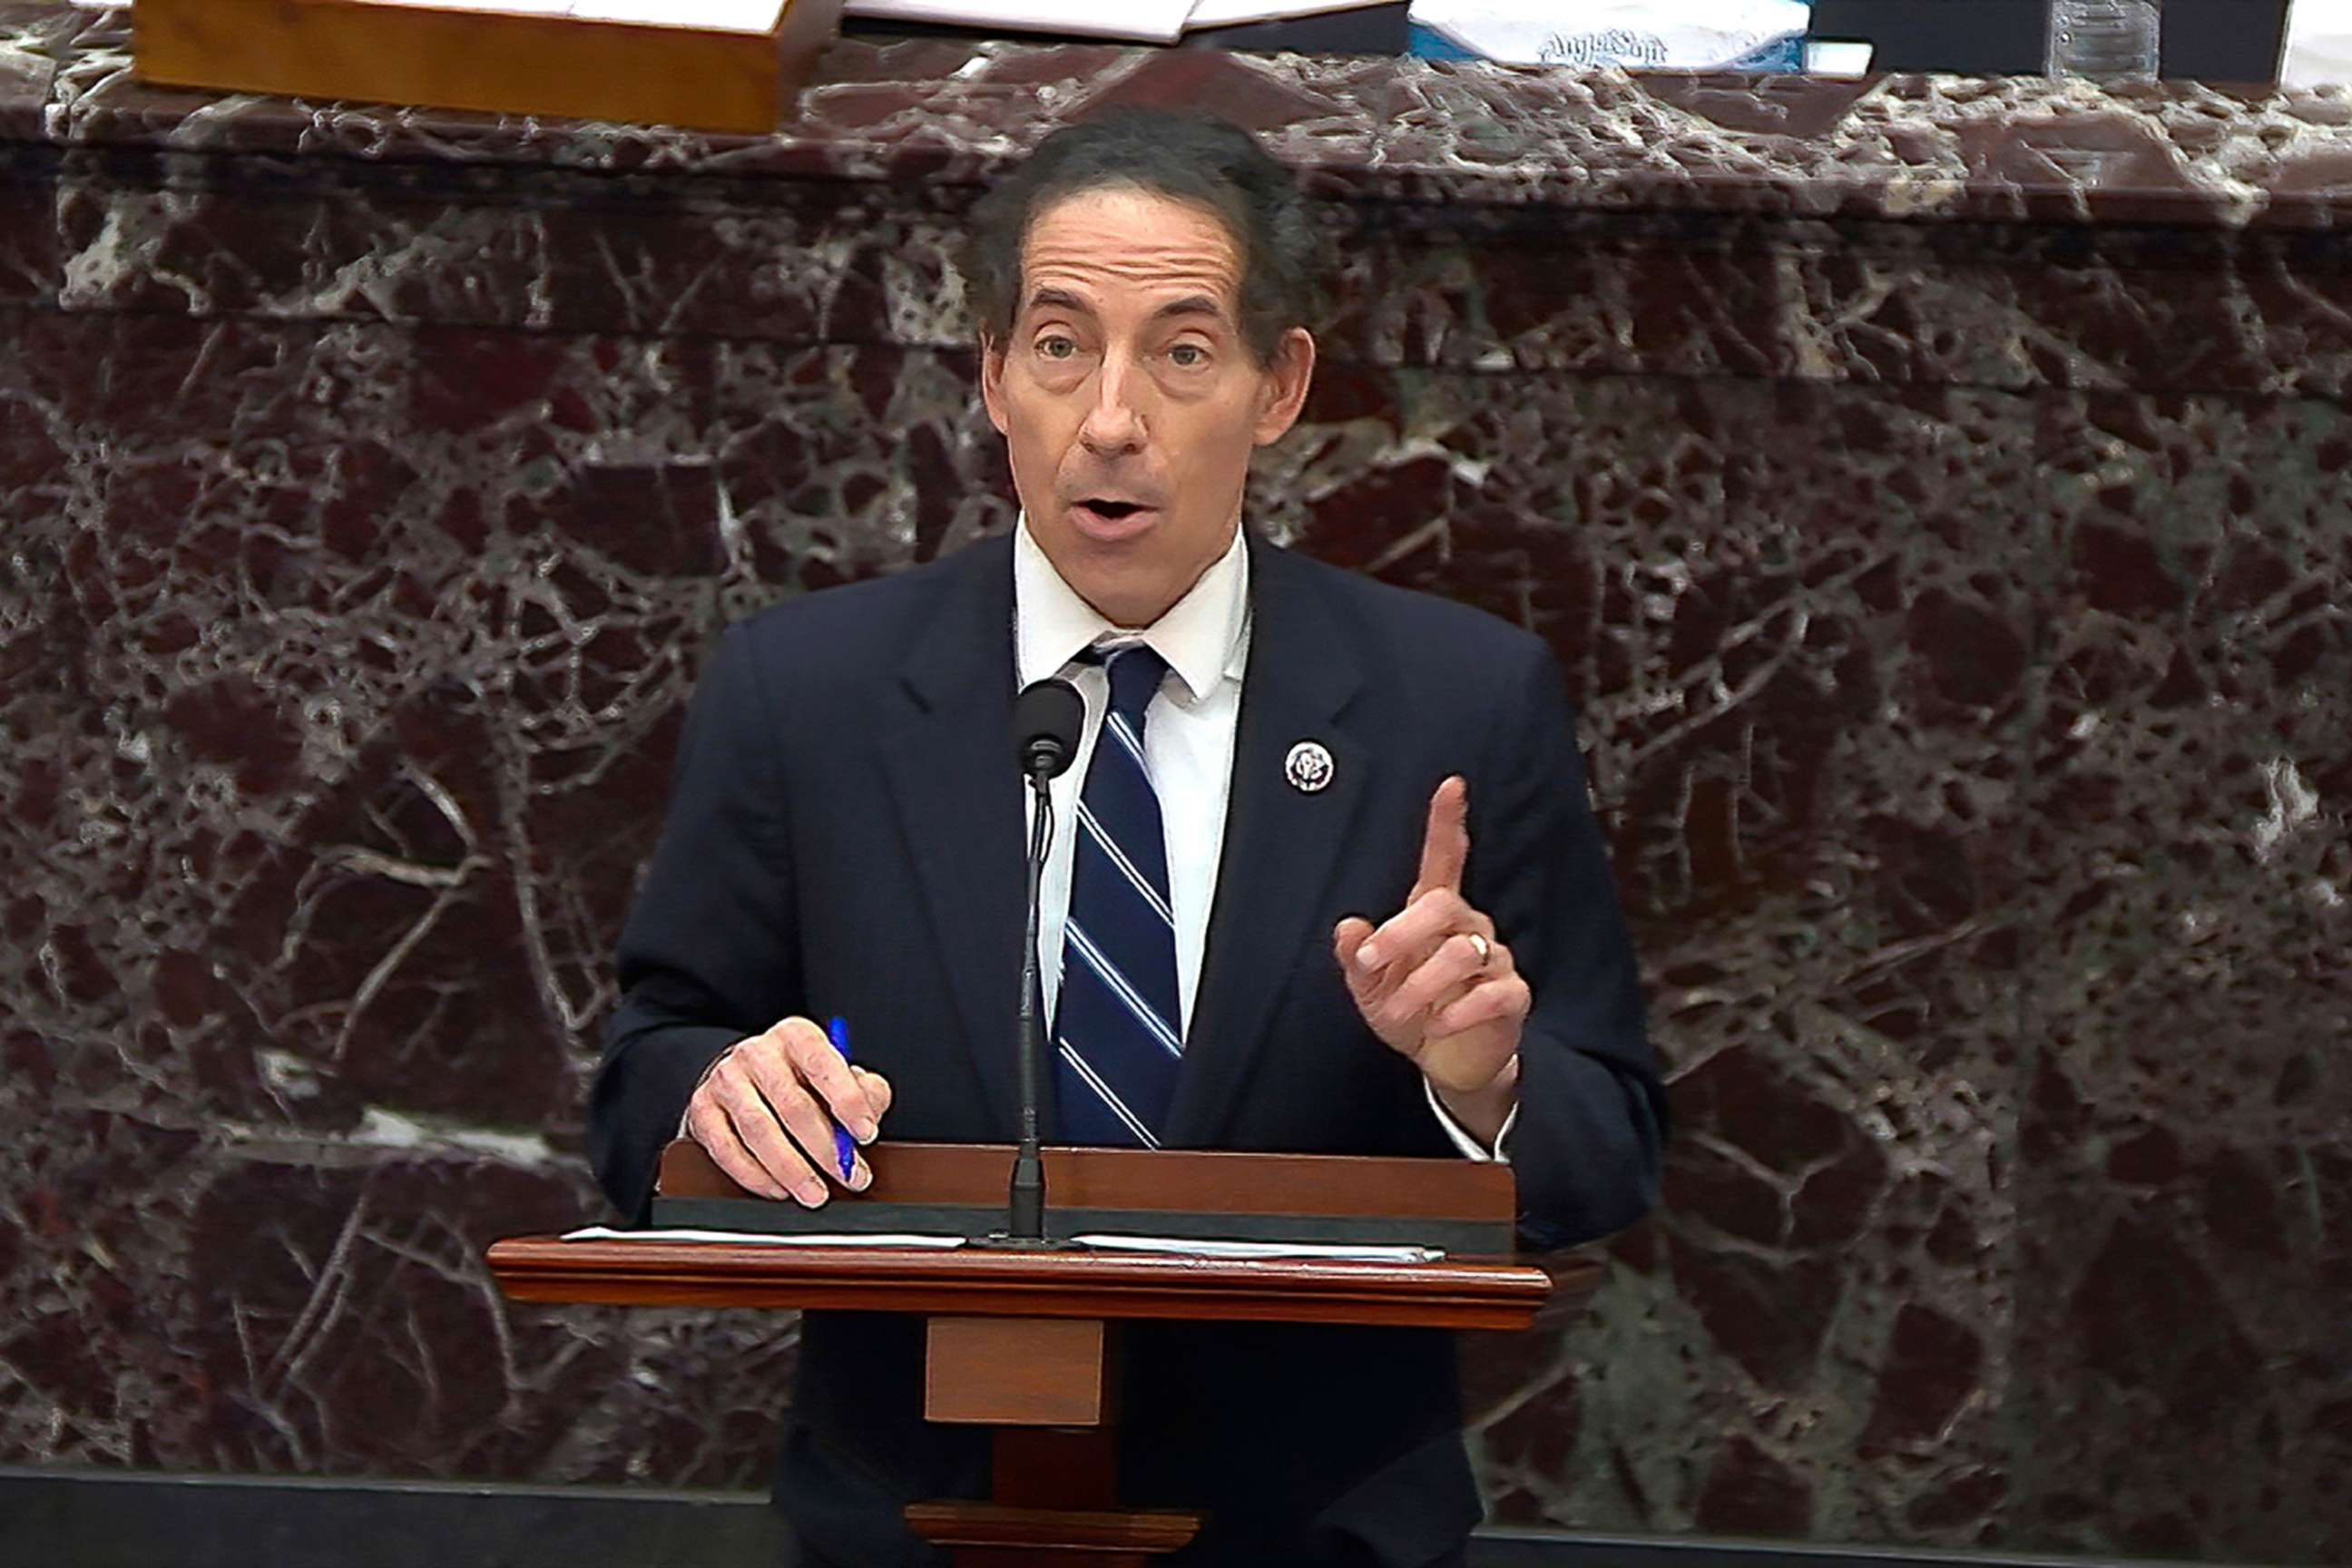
(2105, 40)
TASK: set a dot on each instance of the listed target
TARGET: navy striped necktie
(1118, 1026)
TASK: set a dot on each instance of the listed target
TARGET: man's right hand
(766, 1112)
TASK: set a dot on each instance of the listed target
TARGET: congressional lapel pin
(1308, 767)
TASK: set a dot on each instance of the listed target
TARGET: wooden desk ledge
(1455, 1293)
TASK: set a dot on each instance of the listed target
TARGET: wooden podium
(712, 64)
(1025, 1342)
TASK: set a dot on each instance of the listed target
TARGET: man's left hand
(1434, 983)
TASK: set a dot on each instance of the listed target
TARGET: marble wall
(1936, 491)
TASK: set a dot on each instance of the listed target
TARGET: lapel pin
(1308, 767)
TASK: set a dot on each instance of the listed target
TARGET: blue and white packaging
(1635, 35)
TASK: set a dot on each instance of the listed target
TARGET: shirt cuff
(1470, 1148)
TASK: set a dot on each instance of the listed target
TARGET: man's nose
(1115, 422)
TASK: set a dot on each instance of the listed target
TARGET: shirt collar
(1203, 637)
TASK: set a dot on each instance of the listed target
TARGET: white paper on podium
(1177, 1246)
(762, 1238)
(2318, 44)
(1143, 21)
(1232, 12)
(504, 7)
(721, 15)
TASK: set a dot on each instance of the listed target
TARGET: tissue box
(1766, 35)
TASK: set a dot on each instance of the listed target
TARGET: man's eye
(1057, 348)
(1187, 356)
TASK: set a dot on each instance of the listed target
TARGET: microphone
(1046, 719)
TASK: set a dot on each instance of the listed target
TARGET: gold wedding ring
(1485, 949)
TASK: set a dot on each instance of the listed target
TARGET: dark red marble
(1935, 489)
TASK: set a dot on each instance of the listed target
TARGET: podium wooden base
(1025, 1342)
(1055, 1500)
(1048, 1388)
(989, 1535)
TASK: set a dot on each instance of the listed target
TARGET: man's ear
(1286, 376)
(991, 379)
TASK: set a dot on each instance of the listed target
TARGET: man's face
(1128, 401)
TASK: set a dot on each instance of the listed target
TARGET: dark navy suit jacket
(844, 837)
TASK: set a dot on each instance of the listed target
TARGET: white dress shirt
(1188, 746)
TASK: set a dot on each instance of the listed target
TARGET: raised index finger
(1445, 843)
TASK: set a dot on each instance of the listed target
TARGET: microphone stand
(1025, 1209)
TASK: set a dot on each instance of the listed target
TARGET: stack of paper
(1321, 1251)
(1142, 21)
(2318, 44)
(723, 15)
(763, 1238)
(1159, 1246)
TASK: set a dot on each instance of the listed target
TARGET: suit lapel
(1281, 842)
(958, 795)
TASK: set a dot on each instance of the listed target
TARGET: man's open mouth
(1109, 517)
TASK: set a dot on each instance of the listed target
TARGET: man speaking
(1330, 882)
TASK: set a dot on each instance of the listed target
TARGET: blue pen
(845, 1147)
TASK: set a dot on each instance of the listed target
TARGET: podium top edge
(1455, 1292)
